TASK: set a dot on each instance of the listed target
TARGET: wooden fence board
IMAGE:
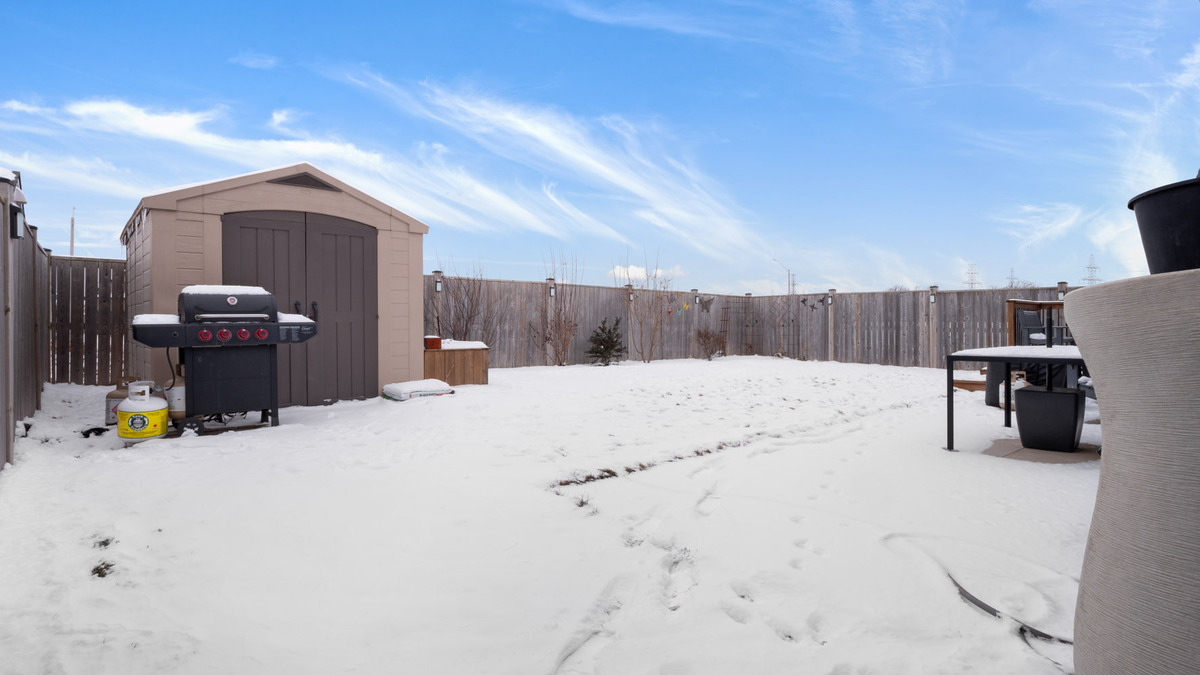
(119, 331)
(75, 346)
(91, 319)
(104, 326)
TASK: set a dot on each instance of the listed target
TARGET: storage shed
(321, 246)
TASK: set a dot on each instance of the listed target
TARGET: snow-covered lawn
(795, 517)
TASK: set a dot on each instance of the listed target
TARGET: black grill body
(227, 338)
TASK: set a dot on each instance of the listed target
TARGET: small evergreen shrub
(606, 343)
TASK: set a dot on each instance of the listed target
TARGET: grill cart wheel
(195, 424)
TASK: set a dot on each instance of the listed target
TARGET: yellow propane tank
(142, 415)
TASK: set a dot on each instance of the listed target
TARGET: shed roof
(303, 175)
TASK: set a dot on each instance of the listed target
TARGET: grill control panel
(223, 334)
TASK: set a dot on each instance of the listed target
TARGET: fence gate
(88, 325)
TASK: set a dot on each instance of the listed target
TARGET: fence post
(830, 333)
(437, 302)
(747, 334)
(548, 331)
(933, 359)
(629, 320)
(695, 324)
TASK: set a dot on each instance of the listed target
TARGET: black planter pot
(1169, 220)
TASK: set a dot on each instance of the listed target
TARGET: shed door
(306, 258)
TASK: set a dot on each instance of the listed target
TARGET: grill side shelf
(290, 333)
(160, 335)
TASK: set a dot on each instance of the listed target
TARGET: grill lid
(226, 303)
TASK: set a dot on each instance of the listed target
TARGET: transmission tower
(1012, 278)
(1092, 279)
(972, 277)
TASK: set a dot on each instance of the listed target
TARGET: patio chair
(1030, 329)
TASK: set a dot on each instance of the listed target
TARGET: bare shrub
(648, 309)
(558, 320)
(710, 342)
(466, 310)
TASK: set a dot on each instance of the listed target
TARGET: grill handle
(298, 310)
(314, 308)
(232, 317)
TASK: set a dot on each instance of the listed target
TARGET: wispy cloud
(910, 38)
(1156, 138)
(425, 179)
(427, 183)
(586, 221)
(95, 175)
(1129, 28)
(1034, 224)
(255, 60)
(647, 16)
(626, 162)
(22, 107)
(918, 35)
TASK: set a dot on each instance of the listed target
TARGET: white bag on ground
(403, 391)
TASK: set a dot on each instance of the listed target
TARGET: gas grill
(227, 338)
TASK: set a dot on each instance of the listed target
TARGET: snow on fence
(899, 328)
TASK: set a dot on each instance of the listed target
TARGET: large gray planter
(1139, 595)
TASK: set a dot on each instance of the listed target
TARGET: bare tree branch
(648, 309)
(467, 311)
(558, 321)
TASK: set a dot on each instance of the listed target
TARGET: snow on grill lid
(223, 290)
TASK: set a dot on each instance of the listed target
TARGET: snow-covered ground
(792, 517)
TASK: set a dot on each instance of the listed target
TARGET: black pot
(1169, 220)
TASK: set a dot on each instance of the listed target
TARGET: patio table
(1068, 355)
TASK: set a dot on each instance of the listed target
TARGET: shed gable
(305, 180)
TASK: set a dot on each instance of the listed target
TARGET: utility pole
(972, 277)
(790, 282)
(1092, 279)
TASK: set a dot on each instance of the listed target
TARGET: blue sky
(860, 145)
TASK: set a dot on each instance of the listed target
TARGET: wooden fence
(88, 320)
(69, 324)
(898, 328)
(24, 282)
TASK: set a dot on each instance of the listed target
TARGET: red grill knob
(204, 335)
(261, 333)
(223, 335)
(243, 334)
